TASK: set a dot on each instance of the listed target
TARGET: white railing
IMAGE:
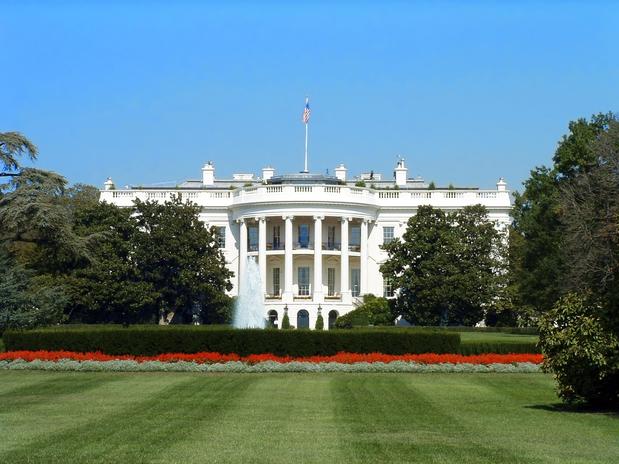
(315, 194)
(219, 194)
(388, 194)
(122, 194)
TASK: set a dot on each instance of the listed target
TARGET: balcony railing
(304, 290)
(303, 246)
(275, 246)
(354, 248)
(332, 246)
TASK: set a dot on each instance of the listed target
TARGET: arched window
(272, 316)
(333, 314)
(302, 319)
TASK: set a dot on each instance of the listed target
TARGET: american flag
(306, 111)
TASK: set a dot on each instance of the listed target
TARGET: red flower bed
(345, 358)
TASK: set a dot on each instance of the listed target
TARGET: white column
(344, 272)
(262, 252)
(364, 258)
(287, 296)
(242, 250)
(318, 259)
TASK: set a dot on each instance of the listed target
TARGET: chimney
(208, 173)
(340, 172)
(267, 173)
(501, 185)
(109, 184)
(401, 173)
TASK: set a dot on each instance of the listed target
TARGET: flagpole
(306, 130)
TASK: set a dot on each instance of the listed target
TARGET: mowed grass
(301, 418)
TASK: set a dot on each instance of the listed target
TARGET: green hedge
(498, 347)
(152, 340)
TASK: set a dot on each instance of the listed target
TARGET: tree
(590, 220)
(448, 267)
(373, 311)
(579, 336)
(36, 238)
(13, 146)
(24, 304)
(181, 259)
(536, 258)
(110, 288)
(36, 225)
(581, 351)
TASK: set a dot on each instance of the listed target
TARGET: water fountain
(249, 308)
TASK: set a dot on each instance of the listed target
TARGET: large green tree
(35, 238)
(579, 336)
(590, 219)
(448, 267)
(537, 260)
(110, 288)
(180, 257)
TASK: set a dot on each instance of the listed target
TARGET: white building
(317, 238)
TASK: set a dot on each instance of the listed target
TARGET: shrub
(373, 311)
(470, 348)
(285, 321)
(581, 353)
(153, 340)
(320, 322)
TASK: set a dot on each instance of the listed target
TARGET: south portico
(307, 261)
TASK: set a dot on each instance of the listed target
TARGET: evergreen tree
(448, 267)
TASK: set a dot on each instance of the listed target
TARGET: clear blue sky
(147, 92)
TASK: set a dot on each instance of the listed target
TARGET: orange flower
(344, 358)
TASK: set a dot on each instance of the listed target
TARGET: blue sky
(146, 92)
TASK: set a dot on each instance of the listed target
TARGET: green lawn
(281, 418)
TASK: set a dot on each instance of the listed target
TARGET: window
(355, 239)
(331, 281)
(333, 314)
(304, 282)
(388, 235)
(303, 235)
(276, 238)
(221, 236)
(303, 319)
(252, 238)
(355, 281)
(276, 285)
(331, 238)
(387, 287)
(355, 235)
(272, 318)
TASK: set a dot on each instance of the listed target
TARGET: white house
(317, 238)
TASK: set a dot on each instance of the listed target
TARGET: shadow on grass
(575, 408)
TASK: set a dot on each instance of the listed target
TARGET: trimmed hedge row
(153, 340)
(468, 348)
